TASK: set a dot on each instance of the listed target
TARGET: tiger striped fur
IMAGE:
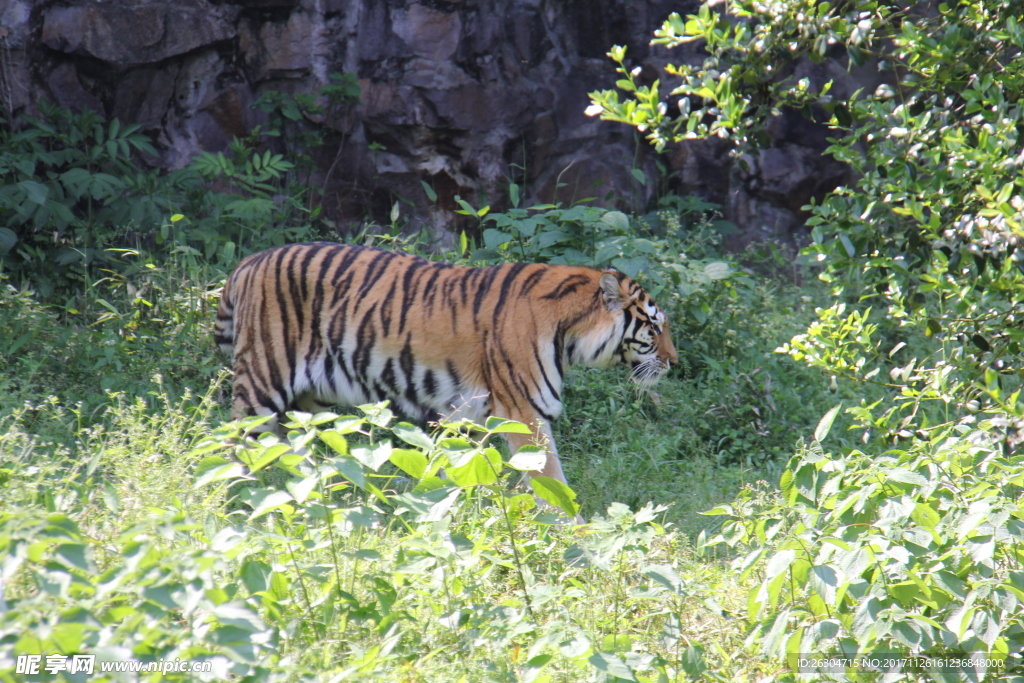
(312, 325)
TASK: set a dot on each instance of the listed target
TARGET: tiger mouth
(647, 373)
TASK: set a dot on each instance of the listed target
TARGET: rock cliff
(465, 95)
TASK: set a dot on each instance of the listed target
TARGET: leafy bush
(74, 188)
(69, 184)
(929, 234)
(910, 552)
(923, 259)
(307, 574)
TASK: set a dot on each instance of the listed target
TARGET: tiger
(319, 324)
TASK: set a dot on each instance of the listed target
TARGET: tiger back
(318, 324)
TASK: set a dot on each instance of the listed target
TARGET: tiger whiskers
(647, 373)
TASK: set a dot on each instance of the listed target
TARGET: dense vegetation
(134, 527)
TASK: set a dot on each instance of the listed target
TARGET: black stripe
(544, 373)
(387, 375)
(453, 374)
(506, 287)
(409, 291)
(386, 308)
(344, 366)
(342, 279)
(429, 291)
(316, 339)
(329, 372)
(559, 350)
(532, 280)
(374, 269)
(310, 255)
(600, 349)
(294, 289)
(482, 288)
(407, 361)
(464, 282)
(267, 342)
(365, 340)
(567, 287)
(429, 383)
(446, 290)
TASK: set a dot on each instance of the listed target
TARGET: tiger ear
(614, 298)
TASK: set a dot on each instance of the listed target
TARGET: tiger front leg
(543, 438)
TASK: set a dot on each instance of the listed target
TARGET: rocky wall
(464, 95)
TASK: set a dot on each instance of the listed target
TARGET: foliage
(929, 235)
(911, 549)
(139, 321)
(308, 576)
(912, 552)
(62, 177)
(338, 552)
(299, 120)
(74, 187)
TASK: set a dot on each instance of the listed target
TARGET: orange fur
(312, 325)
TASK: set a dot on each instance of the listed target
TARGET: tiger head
(645, 344)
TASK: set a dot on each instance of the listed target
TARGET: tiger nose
(669, 350)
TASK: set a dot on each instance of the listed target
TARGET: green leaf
(825, 424)
(717, 270)
(349, 468)
(617, 220)
(37, 193)
(611, 664)
(667, 576)
(556, 493)
(906, 476)
(8, 238)
(373, 457)
(482, 468)
(377, 414)
(413, 435)
(268, 456)
(529, 459)
(501, 425)
(851, 251)
(925, 516)
(264, 500)
(255, 575)
(301, 488)
(824, 581)
(431, 195)
(74, 555)
(335, 440)
(534, 666)
(216, 468)
(496, 238)
(630, 266)
(413, 463)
